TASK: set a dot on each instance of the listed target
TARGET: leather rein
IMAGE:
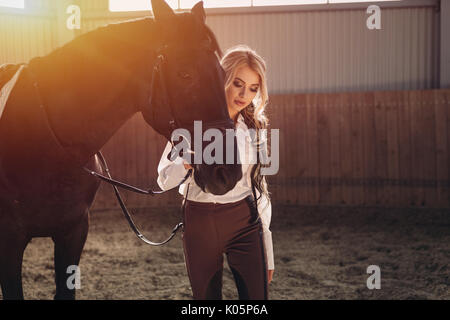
(127, 215)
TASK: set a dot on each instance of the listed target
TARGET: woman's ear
(199, 12)
(161, 10)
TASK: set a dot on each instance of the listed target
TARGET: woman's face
(242, 90)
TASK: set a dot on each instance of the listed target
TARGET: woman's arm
(170, 173)
(265, 212)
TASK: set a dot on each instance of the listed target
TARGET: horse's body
(49, 132)
(42, 192)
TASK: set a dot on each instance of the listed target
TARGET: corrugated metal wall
(332, 51)
(306, 51)
(27, 33)
(25, 40)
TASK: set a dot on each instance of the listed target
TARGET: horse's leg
(12, 246)
(68, 248)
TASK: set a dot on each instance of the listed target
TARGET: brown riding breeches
(210, 230)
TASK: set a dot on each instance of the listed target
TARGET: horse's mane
(122, 38)
(114, 48)
(132, 33)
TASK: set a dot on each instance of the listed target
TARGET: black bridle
(173, 124)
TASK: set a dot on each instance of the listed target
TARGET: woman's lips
(239, 103)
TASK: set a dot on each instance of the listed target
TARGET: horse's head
(187, 85)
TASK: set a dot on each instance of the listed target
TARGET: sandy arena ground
(320, 253)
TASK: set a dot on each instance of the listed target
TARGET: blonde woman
(230, 224)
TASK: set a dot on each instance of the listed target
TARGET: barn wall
(379, 148)
(306, 51)
(27, 33)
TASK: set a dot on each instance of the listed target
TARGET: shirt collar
(241, 123)
(240, 118)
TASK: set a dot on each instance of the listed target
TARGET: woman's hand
(187, 166)
(270, 275)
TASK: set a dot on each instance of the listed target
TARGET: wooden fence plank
(442, 151)
(357, 147)
(415, 100)
(346, 150)
(133, 157)
(334, 123)
(301, 159)
(429, 148)
(282, 177)
(140, 158)
(287, 145)
(447, 107)
(152, 141)
(323, 138)
(313, 158)
(405, 149)
(381, 147)
(392, 147)
(369, 149)
(273, 113)
(289, 105)
(294, 157)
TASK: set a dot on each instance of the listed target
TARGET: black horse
(65, 106)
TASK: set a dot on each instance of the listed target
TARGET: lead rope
(127, 214)
(183, 207)
(251, 180)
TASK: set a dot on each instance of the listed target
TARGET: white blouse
(170, 173)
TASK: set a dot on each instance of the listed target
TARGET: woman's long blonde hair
(254, 114)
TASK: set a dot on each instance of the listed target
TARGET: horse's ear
(199, 12)
(161, 10)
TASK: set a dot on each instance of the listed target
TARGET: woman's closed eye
(238, 85)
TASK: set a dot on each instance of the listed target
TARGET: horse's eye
(184, 75)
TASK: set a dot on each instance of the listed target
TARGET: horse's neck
(84, 89)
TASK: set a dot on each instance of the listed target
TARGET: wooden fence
(389, 148)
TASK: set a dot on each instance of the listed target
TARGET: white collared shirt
(170, 173)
